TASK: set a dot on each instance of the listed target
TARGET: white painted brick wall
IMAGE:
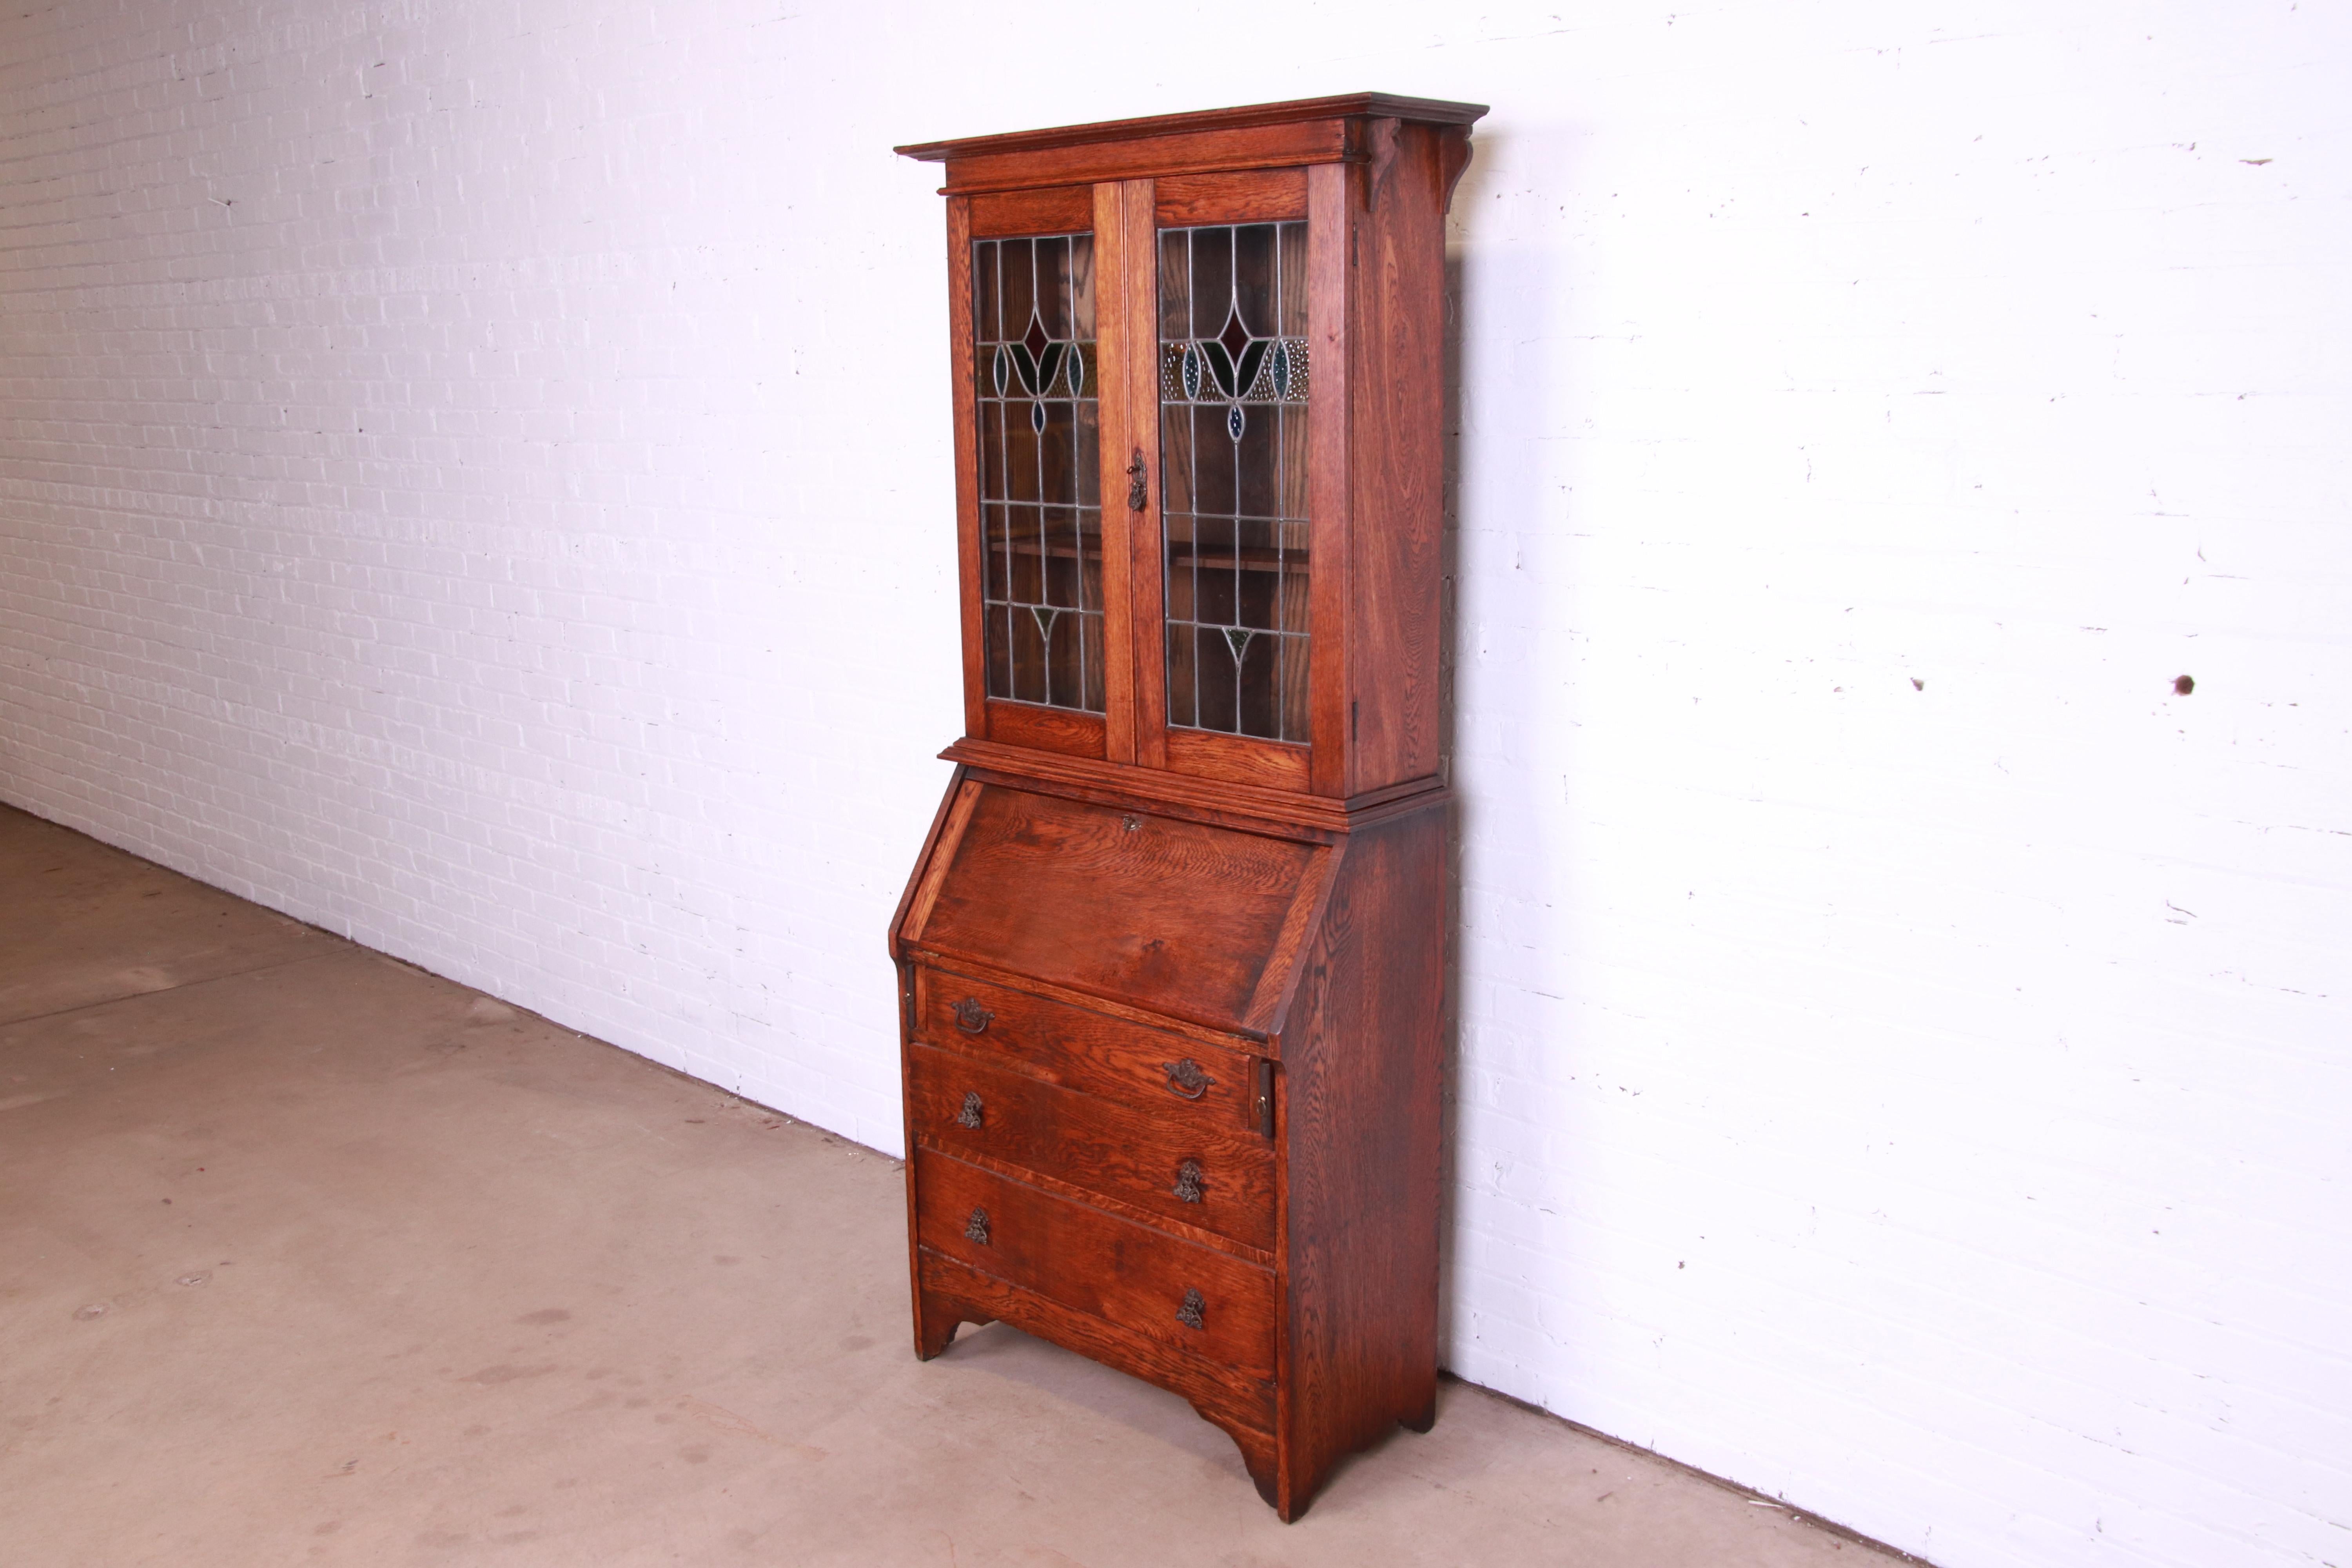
(475, 476)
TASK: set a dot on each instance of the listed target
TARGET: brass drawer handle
(970, 1115)
(1186, 1078)
(1189, 1314)
(1188, 1181)
(972, 1018)
(976, 1228)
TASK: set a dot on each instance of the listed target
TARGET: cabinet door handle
(1139, 493)
(1188, 1181)
(1189, 1313)
(972, 1018)
(976, 1228)
(1186, 1080)
(970, 1115)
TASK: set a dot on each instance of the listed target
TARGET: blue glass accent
(1002, 369)
(1037, 418)
(1192, 371)
(1281, 370)
(1234, 423)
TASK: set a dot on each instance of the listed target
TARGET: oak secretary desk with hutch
(1171, 962)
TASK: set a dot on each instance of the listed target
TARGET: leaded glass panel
(1234, 386)
(1034, 372)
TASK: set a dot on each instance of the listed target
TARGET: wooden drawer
(1192, 1169)
(1126, 1274)
(1092, 1052)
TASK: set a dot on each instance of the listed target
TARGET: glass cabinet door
(1035, 383)
(1234, 385)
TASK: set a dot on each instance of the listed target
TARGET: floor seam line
(165, 991)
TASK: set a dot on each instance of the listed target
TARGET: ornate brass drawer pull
(976, 1228)
(972, 1018)
(1186, 1078)
(1188, 1181)
(1189, 1314)
(970, 1115)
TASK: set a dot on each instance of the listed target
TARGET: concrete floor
(307, 1256)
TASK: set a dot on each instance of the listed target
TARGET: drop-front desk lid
(1199, 922)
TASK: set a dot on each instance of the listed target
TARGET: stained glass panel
(1034, 375)
(1234, 386)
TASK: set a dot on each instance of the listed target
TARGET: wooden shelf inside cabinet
(1170, 959)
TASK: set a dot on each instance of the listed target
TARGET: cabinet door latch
(1139, 494)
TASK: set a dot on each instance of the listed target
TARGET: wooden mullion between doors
(1115, 352)
(1139, 296)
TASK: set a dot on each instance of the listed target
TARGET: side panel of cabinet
(1363, 1055)
(1396, 450)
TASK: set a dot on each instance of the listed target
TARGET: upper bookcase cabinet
(1199, 393)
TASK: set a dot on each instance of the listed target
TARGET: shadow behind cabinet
(1171, 962)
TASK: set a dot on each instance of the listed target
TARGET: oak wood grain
(1082, 1049)
(923, 892)
(1154, 910)
(966, 1106)
(1118, 349)
(1362, 1059)
(1232, 1399)
(1234, 804)
(1257, 196)
(964, 397)
(1396, 456)
(1126, 1274)
(1330, 220)
(1056, 209)
(1241, 118)
(1146, 563)
(1238, 759)
(1039, 727)
(1148, 157)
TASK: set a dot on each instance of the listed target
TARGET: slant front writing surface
(1177, 916)
(1233, 388)
(1034, 377)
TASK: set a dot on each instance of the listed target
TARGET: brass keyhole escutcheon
(976, 1228)
(1188, 1181)
(970, 1115)
(1191, 1312)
